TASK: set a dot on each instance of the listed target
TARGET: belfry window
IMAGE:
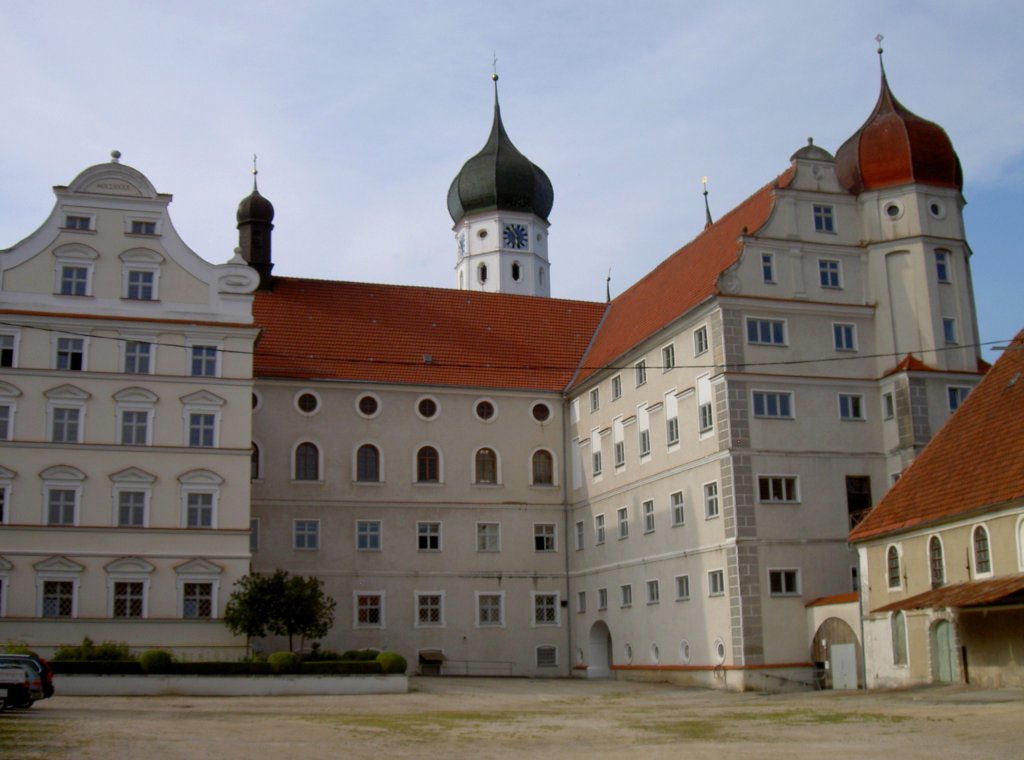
(516, 271)
(482, 273)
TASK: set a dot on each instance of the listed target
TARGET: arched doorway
(599, 656)
(835, 643)
(943, 662)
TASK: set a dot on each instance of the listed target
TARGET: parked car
(41, 666)
(31, 687)
(14, 686)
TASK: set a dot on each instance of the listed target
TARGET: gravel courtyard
(504, 718)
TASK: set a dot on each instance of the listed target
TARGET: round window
(684, 652)
(427, 408)
(655, 654)
(628, 653)
(485, 410)
(936, 209)
(368, 405)
(892, 210)
(541, 412)
(307, 403)
(482, 234)
(255, 401)
(720, 650)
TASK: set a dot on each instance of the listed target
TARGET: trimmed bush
(96, 668)
(391, 662)
(88, 651)
(284, 662)
(156, 661)
(355, 655)
(341, 668)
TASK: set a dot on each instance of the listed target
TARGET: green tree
(279, 604)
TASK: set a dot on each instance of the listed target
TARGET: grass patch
(813, 717)
(420, 726)
(26, 739)
(694, 730)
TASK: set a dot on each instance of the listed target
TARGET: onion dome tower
(500, 202)
(255, 218)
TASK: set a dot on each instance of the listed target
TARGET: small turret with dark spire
(255, 223)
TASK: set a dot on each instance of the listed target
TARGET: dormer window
(74, 280)
(140, 285)
(73, 268)
(140, 274)
(140, 227)
(77, 222)
(823, 219)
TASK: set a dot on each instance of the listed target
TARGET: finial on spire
(878, 38)
(494, 66)
(115, 156)
(608, 286)
(255, 171)
(707, 208)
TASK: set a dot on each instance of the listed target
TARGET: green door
(943, 667)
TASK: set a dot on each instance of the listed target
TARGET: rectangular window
(547, 657)
(710, 500)
(581, 601)
(204, 361)
(676, 504)
(137, 357)
(626, 595)
(131, 509)
(598, 529)
(766, 332)
(3, 505)
(888, 406)
(768, 267)
(202, 427)
(682, 587)
(369, 611)
(306, 535)
(368, 535)
(6, 350)
(199, 510)
(545, 609)
(544, 537)
(645, 442)
(489, 610)
(143, 228)
(5, 422)
(602, 598)
(949, 334)
(254, 534)
(58, 598)
(956, 396)
(844, 337)
(778, 489)
(74, 281)
(66, 425)
(128, 599)
(623, 518)
(197, 600)
(641, 373)
(823, 219)
(140, 285)
(488, 537)
(648, 511)
(429, 610)
(829, 273)
(616, 387)
(773, 404)
(60, 506)
(134, 428)
(942, 266)
(668, 357)
(851, 406)
(71, 354)
(428, 536)
(653, 592)
(705, 418)
(700, 341)
(620, 453)
(716, 583)
(595, 399)
(672, 431)
(579, 536)
(596, 459)
(77, 223)
(784, 582)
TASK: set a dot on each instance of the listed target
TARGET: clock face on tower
(515, 236)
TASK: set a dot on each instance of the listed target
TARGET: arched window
(486, 466)
(307, 461)
(892, 559)
(935, 563)
(515, 271)
(543, 468)
(482, 273)
(428, 469)
(898, 624)
(368, 464)
(254, 462)
(982, 558)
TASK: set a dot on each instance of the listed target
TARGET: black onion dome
(255, 208)
(500, 177)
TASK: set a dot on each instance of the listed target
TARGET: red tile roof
(683, 280)
(976, 460)
(431, 336)
(989, 592)
(847, 598)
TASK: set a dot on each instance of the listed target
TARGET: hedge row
(337, 667)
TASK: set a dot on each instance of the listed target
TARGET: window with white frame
(58, 600)
(545, 608)
(956, 395)
(949, 331)
(6, 416)
(129, 599)
(851, 406)
(544, 537)
(578, 536)
(936, 563)
(5, 490)
(602, 598)
(369, 609)
(306, 462)
(711, 500)
(784, 582)
(204, 360)
(700, 340)
(485, 467)
(942, 265)
(547, 657)
(982, 554)
(428, 536)
(653, 592)
(490, 609)
(640, 371)
(705, 416)
(595, 452)
(676, 506)
(716, 583)
(766, 332)
(626, 595)
(671, 407)
(888, 406)
(8, 349)
(768, 268)
(199, 508)
(773, 404)
(368, 535)
(131, 508)
(66, 424)
(70, 354)
(623, 521)
(844, 336)
(668, 357)
(488, 537)
(542, 468)
(429, 609)
(202, 429)
(74, 280)
(581, 601)
(140, 285)
(306, 535)
(892, 562)
(595, 399)
(824, 220)
(77, 222)
(138, 357)
(142, 227)
(829, 273)
(619, 442)
(682, 587)
(648, 514)
(134, 427)
(898, 624)
(598, 529)
(62, 506)
(643, 422)
(368, 464)
(197, 600)
(778, 489)
(616, 387)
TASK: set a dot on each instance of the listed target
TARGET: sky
(362, 112)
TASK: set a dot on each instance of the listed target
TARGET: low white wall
(225, 686)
